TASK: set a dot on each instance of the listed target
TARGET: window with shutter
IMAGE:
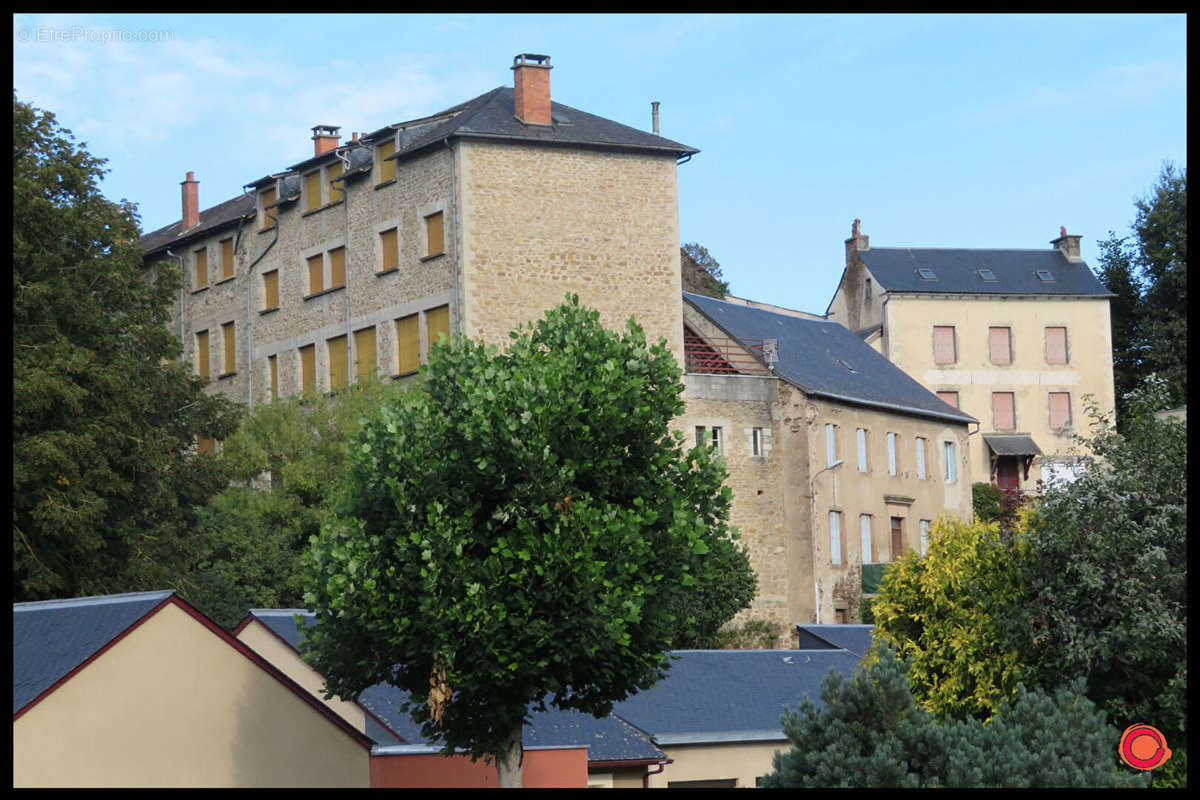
(434, 240)
(202, 354)
(1056, 345)
(861, 435)
(308, 368)
(944, 351)
(949, 398)
(389, 246)
(1003, 412)
(1060, 410)
(364, 352)
(949, 462)
(273, 375)
(408, 340)
(387, 169)
(316, 274)
(893, 443)
(920, 458)
(266, 215)
(270, 290)
(336, 187)
(227, 258)
(312, 190)
(337, 363)
(835, 537)
(201, 257)
(229, 362)
(868, 552)
(830, 444)
(1000, 345)
(337, 267)
(437, 321)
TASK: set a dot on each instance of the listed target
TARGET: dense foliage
(521, 532)
(105, 478)
(870, 732)
(701, 272)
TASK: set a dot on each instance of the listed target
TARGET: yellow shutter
(387, 169)
(316, 274)
(228, 339)
(267, 197)
(336, 190)
(389, 242)
(273, 369)
(337, 267)
(337, 362)
(364, 352)
(271, 289)
(308, 368)
(435, 242)
(437, 321)
(205, 444)
(227, 258)
(312, 190)
(202, 354)
(201, 267)
(408, 339)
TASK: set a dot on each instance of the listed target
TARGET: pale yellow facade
(743, 762)
(173, 705)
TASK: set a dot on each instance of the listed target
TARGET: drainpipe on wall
(646, 778)
(458, 312)
(345, 159)
(249, 294)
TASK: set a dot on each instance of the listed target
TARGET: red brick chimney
(191, 202)
(857, 241)
(325, 138)
(1068, 244)
(531, 88)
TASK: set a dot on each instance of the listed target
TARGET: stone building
(1017, 338)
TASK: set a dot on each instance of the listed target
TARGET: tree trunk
(508, 763)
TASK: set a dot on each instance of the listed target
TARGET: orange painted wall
(544, 769)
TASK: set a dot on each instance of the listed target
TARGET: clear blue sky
(937, 131)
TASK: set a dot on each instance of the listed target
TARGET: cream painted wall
(909, 345)
(744, 761)
(172, 705)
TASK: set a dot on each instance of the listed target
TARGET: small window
(308, 368)
(434, 240)
(861, 436)
(273, 375)
(202, 354)
(337, 267)
(408, 343)
(924, 536)
(830, 444)
(835, 537)
(949, 464)
(316, 273)
(987, 275)
(921, 458)
(867, 290)
(1060, 410)
(270, 290)
(333, 172)
(897, 538)
(926, 274)
(718, 441)
(1000, 345)
(756, 442)
(227, 258)
(839, 616)
(312, 190)
(866, 543)
(229, 362)
(201, 257)
(893, 441)
(387, 169)
(437, 322)
(1056, 345)
(266, 216)
(364, 353)
(1045, 275)
(949, 398)
(338, 364)
(944, 349)
(700, 436)
(1004, 416)
(389, 249)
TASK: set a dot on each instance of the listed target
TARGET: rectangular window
(312, 190)
(266, 198)
(337, 267)
(756, 441)
(308, 368)
(1000, 345)
(229, 363)
(1056, 345)
(897, 538)
(944, 350)
(893, 443)
(408, 340)
(387, 169)
(202, 354)
(389, 246)
(437, 321)
(201, 256)
(868, 551)
(1060, 410)
(867, 290)
(364, 352)
(1004, 416)
(227, 258)
(949, 398)
(700, 436)
(316, 274)
(830, 444)
(921, 458)
(924, 536)
(336, 190)
(861, 433)
(337, 363)
(206, 445)
(434, 241)
(949, 464)
(718, 441)
(273, 374)
(271, 289)
(835, 537)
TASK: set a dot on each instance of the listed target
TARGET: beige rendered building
(1016, 338)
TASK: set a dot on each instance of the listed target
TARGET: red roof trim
(133, 626)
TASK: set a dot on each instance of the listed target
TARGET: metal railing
(717, 355)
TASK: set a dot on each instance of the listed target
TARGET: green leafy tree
(287, 460)
(1107, 581)
(949, 613)
(105, 478)
(701, 272)
(871, 733)
(1120, 276)
(1161, 230)
(519, 533)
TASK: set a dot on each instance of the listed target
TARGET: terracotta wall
(543, 769)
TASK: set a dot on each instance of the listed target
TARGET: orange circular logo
(1143, 747)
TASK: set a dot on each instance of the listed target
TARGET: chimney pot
(857, 241)
(654, 115)
(191, 201)
(531, 88)
(325, 138)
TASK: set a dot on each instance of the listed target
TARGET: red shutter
(1056, 345)
(1060, 409)
(1000, 345)
(943, 344)
(1002, 411)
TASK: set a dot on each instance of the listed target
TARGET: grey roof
(212, 220)
(825, 359)
(956, 271)
(731, 695)
(855, 638)
(1012, 444)
(53, 637)
(608, 739)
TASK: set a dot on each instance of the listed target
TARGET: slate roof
(731, 695)
(53, 637)
(211, 220)
(1012, 444)
(855, 638)
(827, 360)
(608, 739)
(895, 269)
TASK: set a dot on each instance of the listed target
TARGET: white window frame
(835, 538)
(862, 449)
(950, 461)
(718, 441)
(700, 434)
(893, 442)
(921, 473)
(924, 536)
(864, 535)
(830, 444)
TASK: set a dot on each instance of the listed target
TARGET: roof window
(986, 274)
(1045, 275)
(926, 274)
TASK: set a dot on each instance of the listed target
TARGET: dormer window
(1045, 276)
(986, 274)
(926, 274)
(387, 169)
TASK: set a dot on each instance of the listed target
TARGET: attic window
(987, 274)
(1045, 275)
(559, 119)
(926, 274)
